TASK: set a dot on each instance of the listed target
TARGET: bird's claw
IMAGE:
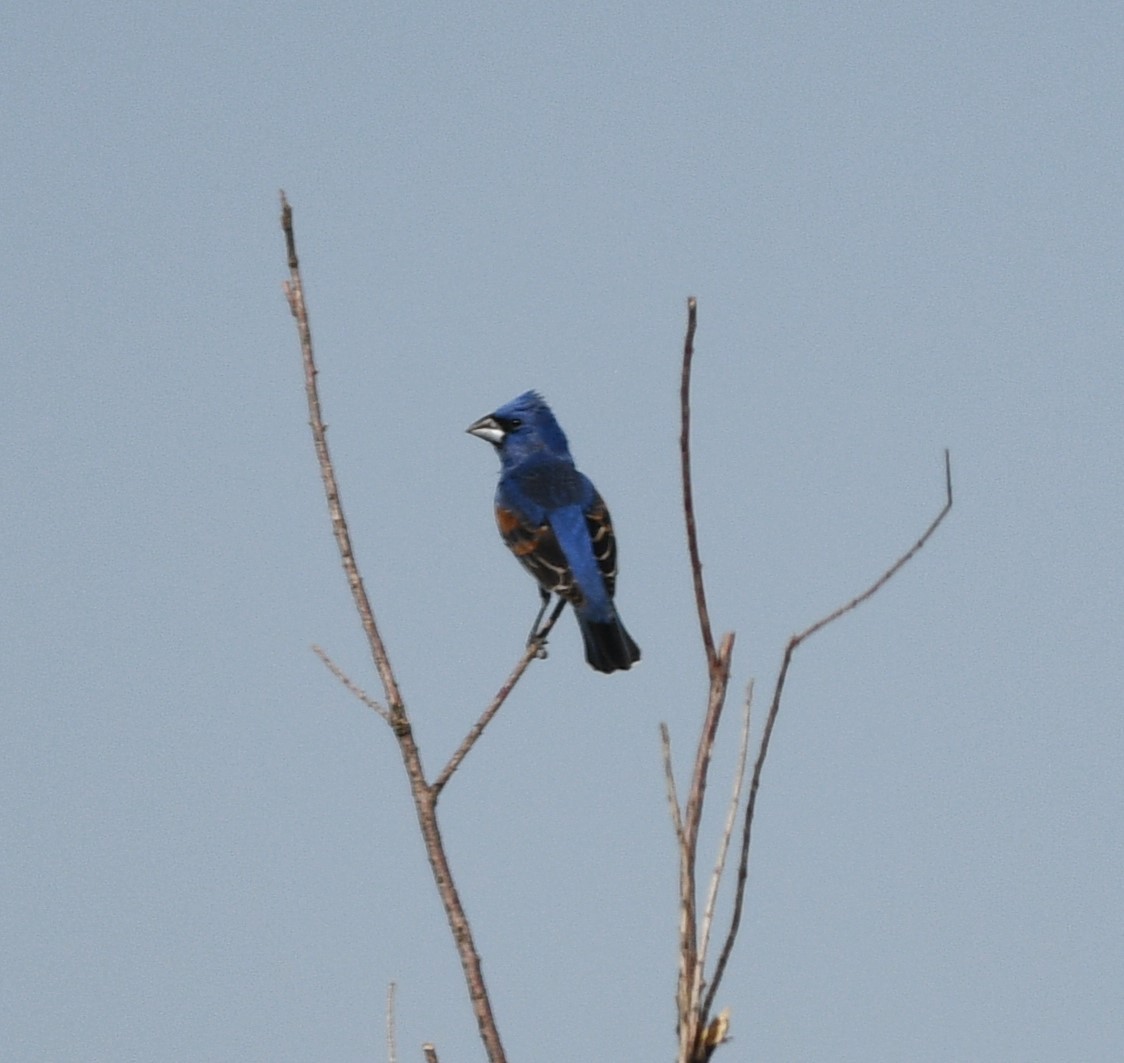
(539, 644)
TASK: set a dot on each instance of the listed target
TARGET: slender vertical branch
(691, 1017)
(685, 464)
(294, 290)
(425, 799)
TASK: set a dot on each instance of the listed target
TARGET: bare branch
(294, 291)
(688, 497)
(533, 650)
(343, 677)
(771, 719)
(391, 1047)
(430, 1053)
(425, 800)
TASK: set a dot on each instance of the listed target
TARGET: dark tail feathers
(608, 647)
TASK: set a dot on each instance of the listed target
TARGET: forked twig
(698, 1037)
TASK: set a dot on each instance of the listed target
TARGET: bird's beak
(487, 428)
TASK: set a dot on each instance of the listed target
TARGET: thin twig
(688, 497)
(771, 719)
(391, 1047)
(430, 1053)
(533, 650)
(352, 687)
(669, 779)
(727, 831)
(892, 571)
(686, 896)
(719, 680)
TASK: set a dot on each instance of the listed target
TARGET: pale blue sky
(904, 225)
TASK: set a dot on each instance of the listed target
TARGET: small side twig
(351, 686)
(430, 1053)
(893, 570)
(391, 1046)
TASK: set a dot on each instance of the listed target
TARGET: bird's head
(522, 428)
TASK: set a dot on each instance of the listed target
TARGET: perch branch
(534, 648)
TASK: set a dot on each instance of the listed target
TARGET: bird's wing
(537, 504)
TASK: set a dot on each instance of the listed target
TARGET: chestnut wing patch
(538, 551)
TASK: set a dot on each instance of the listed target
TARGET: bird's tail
(608, 647)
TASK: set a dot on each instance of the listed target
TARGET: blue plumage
(554, 521)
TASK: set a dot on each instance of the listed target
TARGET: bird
(554, 521)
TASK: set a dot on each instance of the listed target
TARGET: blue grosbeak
(553, 520)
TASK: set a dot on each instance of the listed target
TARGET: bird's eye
(515, 422)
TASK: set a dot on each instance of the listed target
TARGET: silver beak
(487, 428)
